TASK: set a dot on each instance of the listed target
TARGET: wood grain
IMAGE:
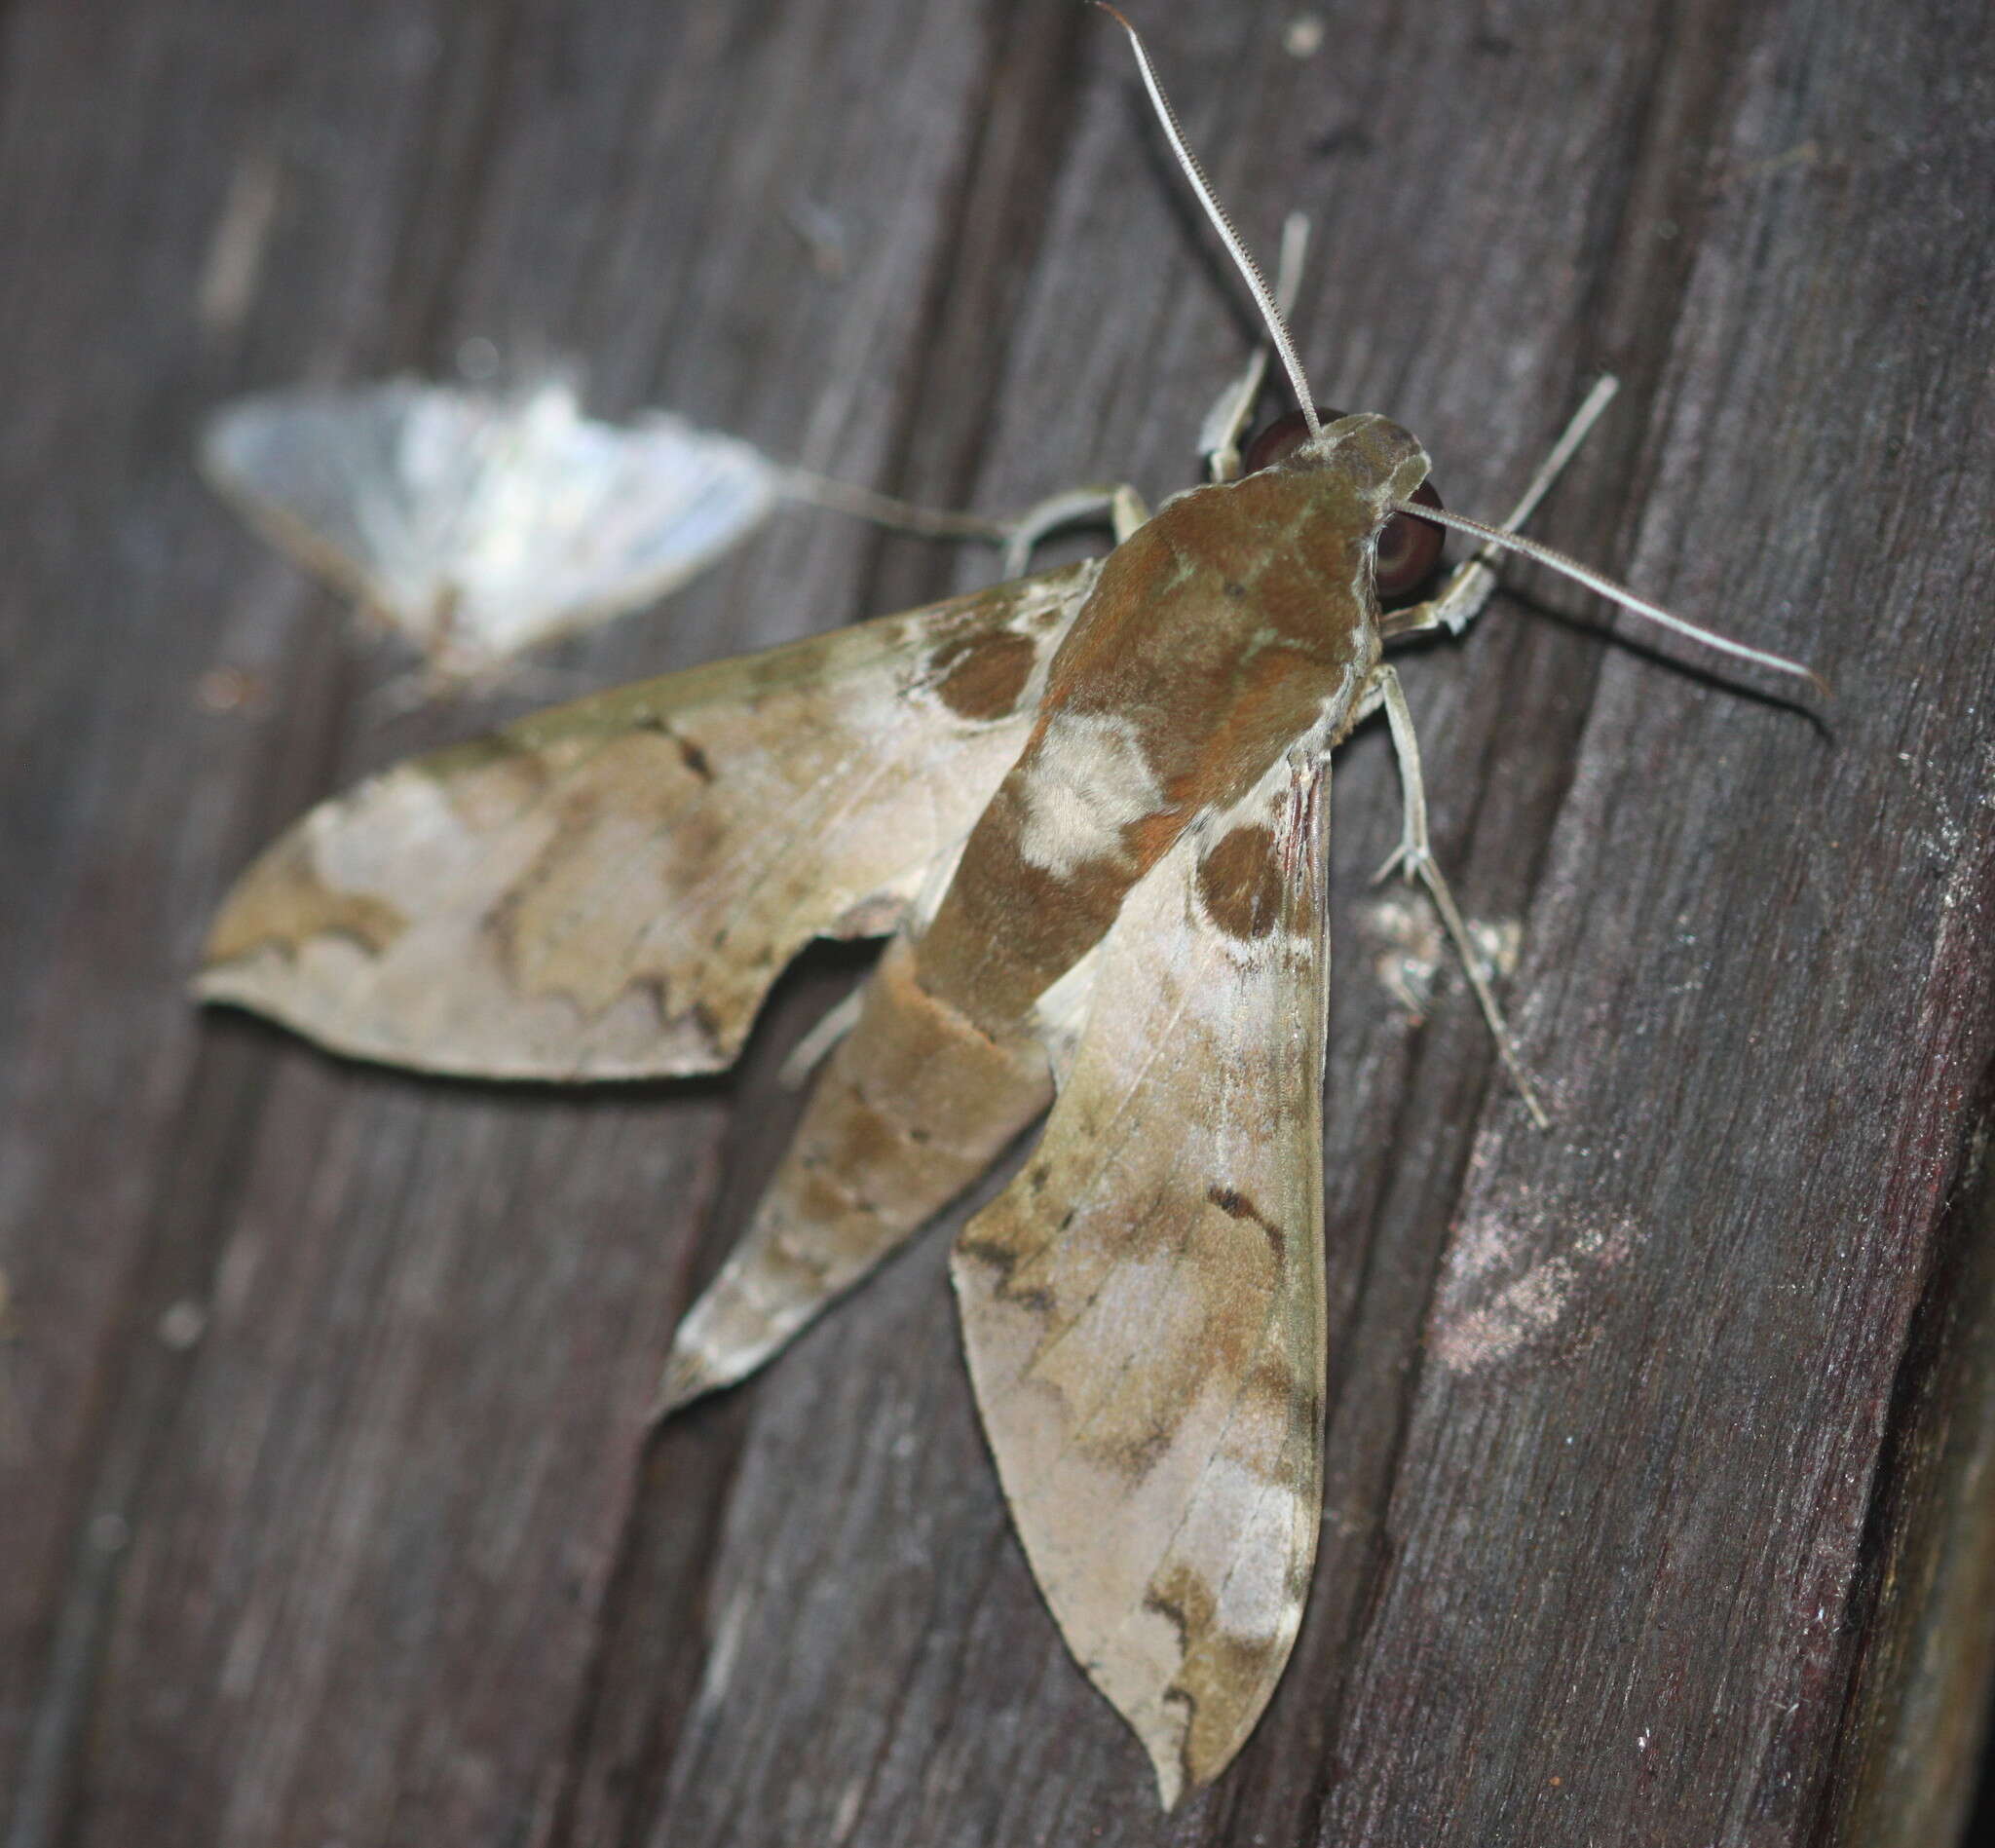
(1657, 1504)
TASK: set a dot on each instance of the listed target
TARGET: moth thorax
(1408, 548)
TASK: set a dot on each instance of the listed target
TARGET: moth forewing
(607, 889)
(1143, 1306)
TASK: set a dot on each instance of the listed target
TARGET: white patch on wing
(1088, 780)
(1256, 1522)
(414, 832)
(1139, 1296)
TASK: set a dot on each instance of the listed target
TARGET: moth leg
(1469, 583)
(1218, 437)
(1415, 859)
(1126, 511)
(439, 680)
(1120, 506)
(1371, 697)
(810, 1051)
(889, 509)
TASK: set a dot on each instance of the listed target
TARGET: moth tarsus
(1090, 809)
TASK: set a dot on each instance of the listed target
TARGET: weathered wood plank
(1651, 1511)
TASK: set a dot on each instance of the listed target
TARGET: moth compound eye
(1281, 439)
(1407, 547)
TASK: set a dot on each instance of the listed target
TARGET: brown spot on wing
(283, 901)
(1005, 1258)
(983, 676)
(1241, 882)
(693, 757)
(1216, 1669)
(1236, 1205)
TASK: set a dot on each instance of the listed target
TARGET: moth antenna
(1237, 248)
(1607, 587)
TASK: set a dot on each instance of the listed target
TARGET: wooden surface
(1657, 1505)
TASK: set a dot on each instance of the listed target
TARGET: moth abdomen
(913, 1106)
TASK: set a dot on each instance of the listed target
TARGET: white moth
(480, 524)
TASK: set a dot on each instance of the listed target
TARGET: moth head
(1386, 464)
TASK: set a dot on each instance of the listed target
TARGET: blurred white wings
(481, 524)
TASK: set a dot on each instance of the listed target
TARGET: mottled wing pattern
(482, 524)
(609, 888)
(1143, 1307)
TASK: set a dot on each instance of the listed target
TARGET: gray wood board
(1655, 1507)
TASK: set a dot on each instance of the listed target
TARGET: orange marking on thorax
(1217, 635)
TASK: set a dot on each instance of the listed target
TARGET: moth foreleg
(1020, 535)
(471, 678)
(1415, 857)
(1121, 505)
(810, 1051)
(1469, 583)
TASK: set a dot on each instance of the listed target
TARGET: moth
(1088, 807)
(481, 524)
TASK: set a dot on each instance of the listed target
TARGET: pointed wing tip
(264, 983)
(210, 986)
(687, 1376)
(248, 988)
(227, 981)
(1181, 1767)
